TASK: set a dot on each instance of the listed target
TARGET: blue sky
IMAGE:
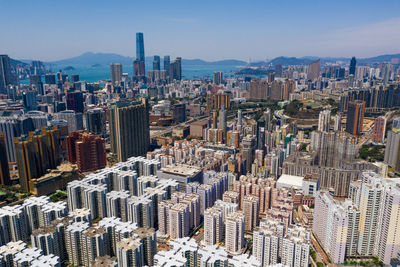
(211, 30)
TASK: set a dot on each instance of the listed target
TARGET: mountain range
(90, 58)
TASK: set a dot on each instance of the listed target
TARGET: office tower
(355, 117)
(250, 209)
(36, 153)
(129, 129)
(248, 147)
(75, 101)
(73, 119)
(296, 247)
(234, 233)
(6, 77)
(73, 242)
(278, 70)
(175, 69)
(314, 70)
(130, 252)
(50, 78)
(167, 62)
(86, 150)
(96, 121)
(140, 46)
(213, 226)
(218, 77)
(116, 73)
(139, 70)
(337, 124)
(29, 100)
(4, 170)
(379, 129)
(324, 120)
(336, 225)
(352, 68)
(156, 63)
(179, 113)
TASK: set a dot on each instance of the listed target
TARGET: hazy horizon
(208, 30)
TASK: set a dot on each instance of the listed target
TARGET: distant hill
(90, 58)
(15, 62)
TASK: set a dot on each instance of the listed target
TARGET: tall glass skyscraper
(139, 46)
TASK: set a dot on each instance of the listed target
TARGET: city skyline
(197, 31)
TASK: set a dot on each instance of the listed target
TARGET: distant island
(69, 68)
(96, 65)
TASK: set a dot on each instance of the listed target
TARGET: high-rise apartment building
(251, 210)
(36, 153)
(234, 233)
(267, 242)
(130, 252)
(86, 150)
(129, 129)
(278, 70)
(218, 100)
(213, 225)
(324, 120)
(296, 247)
(314, 70)
(218, 77)
(73, 119)
(73, 242)
(355, 117)
(116, 73)
(148, 238)
(379, 129)
(4, 170)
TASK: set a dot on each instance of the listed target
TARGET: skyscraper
(139, 46)
(175, 69)
(96, 121)
(156, 63)
(4, 171)
(167, 61)
(355, 117)
(116, 73)
(352, 68)
(75, 101)
(6, 77)
(29, 100)
(392, 151)
(129, 129)
(139, 69)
